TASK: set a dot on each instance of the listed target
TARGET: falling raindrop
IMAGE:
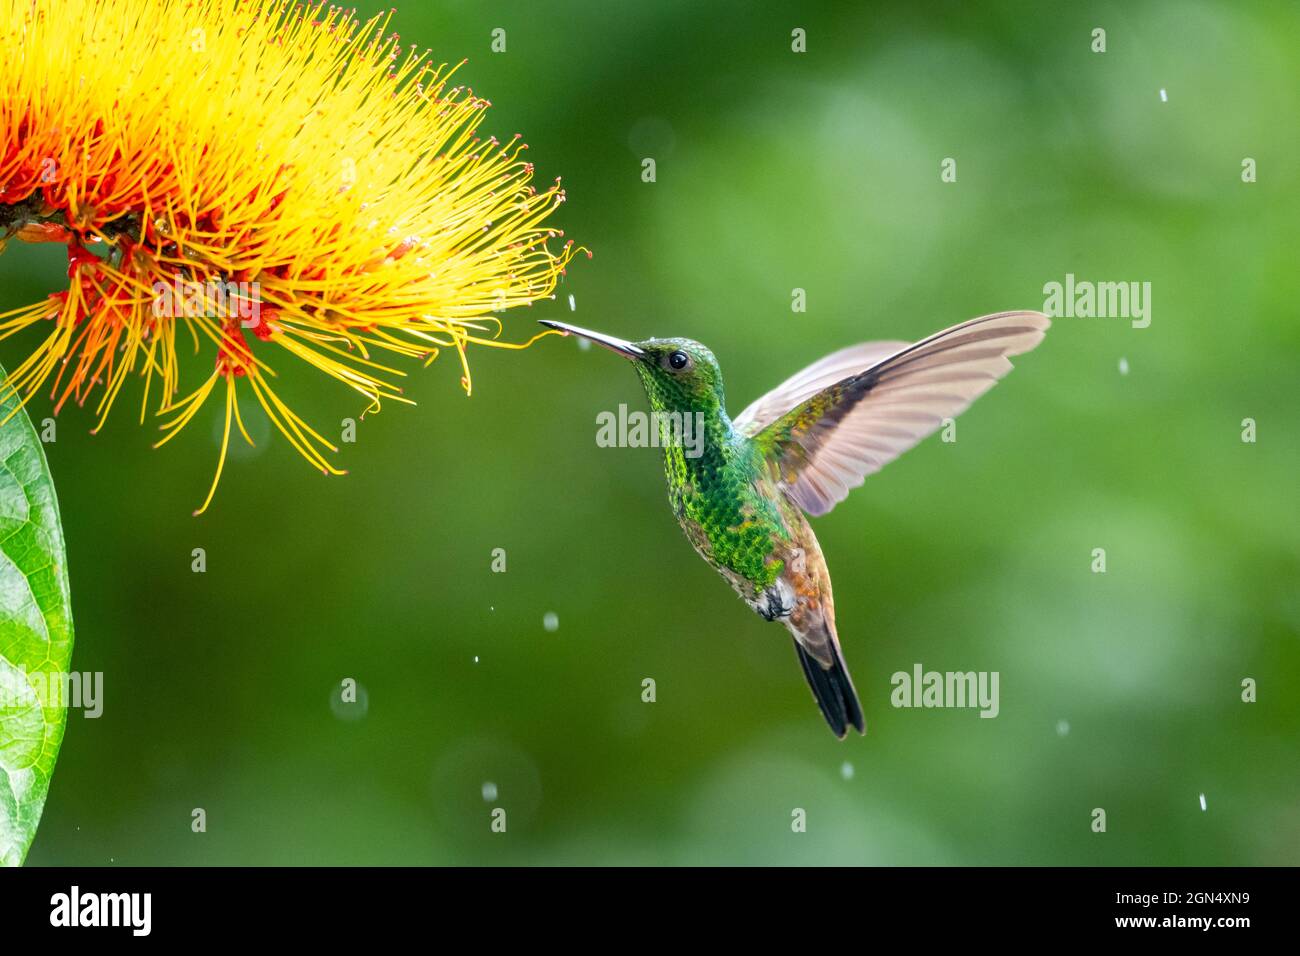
(259, 430)
(1202, 803)
(551, 621)
(475, 658)
(846, 770)
(651, 136)
(1123, 366)
(1164, 97)
(355, 707)
(573, 306)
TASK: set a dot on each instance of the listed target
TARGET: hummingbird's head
(680, 375)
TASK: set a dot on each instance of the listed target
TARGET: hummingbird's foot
(776, 603)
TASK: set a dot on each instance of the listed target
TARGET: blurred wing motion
(855, 411)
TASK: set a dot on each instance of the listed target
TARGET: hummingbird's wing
(827, 443)
(806, 383)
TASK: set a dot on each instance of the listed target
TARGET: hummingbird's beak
(626, 349)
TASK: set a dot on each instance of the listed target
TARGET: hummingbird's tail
(833, 689)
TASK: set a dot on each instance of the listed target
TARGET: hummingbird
(744, 494)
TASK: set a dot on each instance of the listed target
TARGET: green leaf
(35, 632)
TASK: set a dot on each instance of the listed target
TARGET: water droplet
(475, 658)
(1202, 803)
(846, 770)
(1164, 97)
(651, 136)
(573, 306)
(489, 791)
(551, 621)
(1062, 728)
(1123, 366)
(350, 710)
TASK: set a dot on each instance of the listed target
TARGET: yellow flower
(274, 178)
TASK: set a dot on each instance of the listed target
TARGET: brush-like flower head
(271, 178)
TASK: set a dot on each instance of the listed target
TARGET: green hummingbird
(744, 493)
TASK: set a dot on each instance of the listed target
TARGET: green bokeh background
(775, 170)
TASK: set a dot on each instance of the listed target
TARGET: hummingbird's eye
(678, 361)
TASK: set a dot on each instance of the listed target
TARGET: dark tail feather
(833, 690)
